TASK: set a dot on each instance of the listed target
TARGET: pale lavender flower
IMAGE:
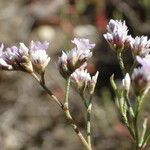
(3, 64)
(83, 44)
(117, 35)
(140, 46)
(70, 61)
(35, 46)
(145, 62)
(82, 80)
(141, 80)
(39, 56)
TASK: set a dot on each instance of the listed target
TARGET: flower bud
(126, 82)
(92, 83)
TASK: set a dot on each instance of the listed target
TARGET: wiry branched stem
(65, 109)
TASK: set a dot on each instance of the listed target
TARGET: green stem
(137, 110)
(89, 121)
(119, 57)
(69, 117)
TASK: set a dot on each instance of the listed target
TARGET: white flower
(40, 60)
(70, 61)
(140, 46)
(83, 44)
(117, 35)
(82, 80)
(39, 56)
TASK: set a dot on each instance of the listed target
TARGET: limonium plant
(137, 78)
(72, 67)
(33, 59)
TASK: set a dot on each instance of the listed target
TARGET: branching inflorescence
(136, 78)
(72, 66)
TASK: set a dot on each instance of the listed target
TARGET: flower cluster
(75, 58)
(140, 46)
(82, 80)
(117, 35)
(24, 58)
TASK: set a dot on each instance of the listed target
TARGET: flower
(117, 35)
(24, 58)
(126, 82)
(70, 61)
(140, 46)
(82, 80)
(141, 80)
(82, 44)
(39, 56)
(145, 62)
(15, 58)
(3, 64)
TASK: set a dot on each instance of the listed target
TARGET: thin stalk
(89, 121)
(137, 110)
(88, 106)
(65, 110)
(121, 63)
(69, 117)
(47, 90)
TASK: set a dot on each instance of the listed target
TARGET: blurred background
(28, 119)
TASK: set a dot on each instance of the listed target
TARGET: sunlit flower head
(82, 80)
(117, 35)
(39, 57)
(75, 58)
(140, 46)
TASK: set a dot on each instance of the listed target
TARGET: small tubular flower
(82, 80)
(39, 56)
(70, 61)
(117, 35)
(141, 80)
(140, 46)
